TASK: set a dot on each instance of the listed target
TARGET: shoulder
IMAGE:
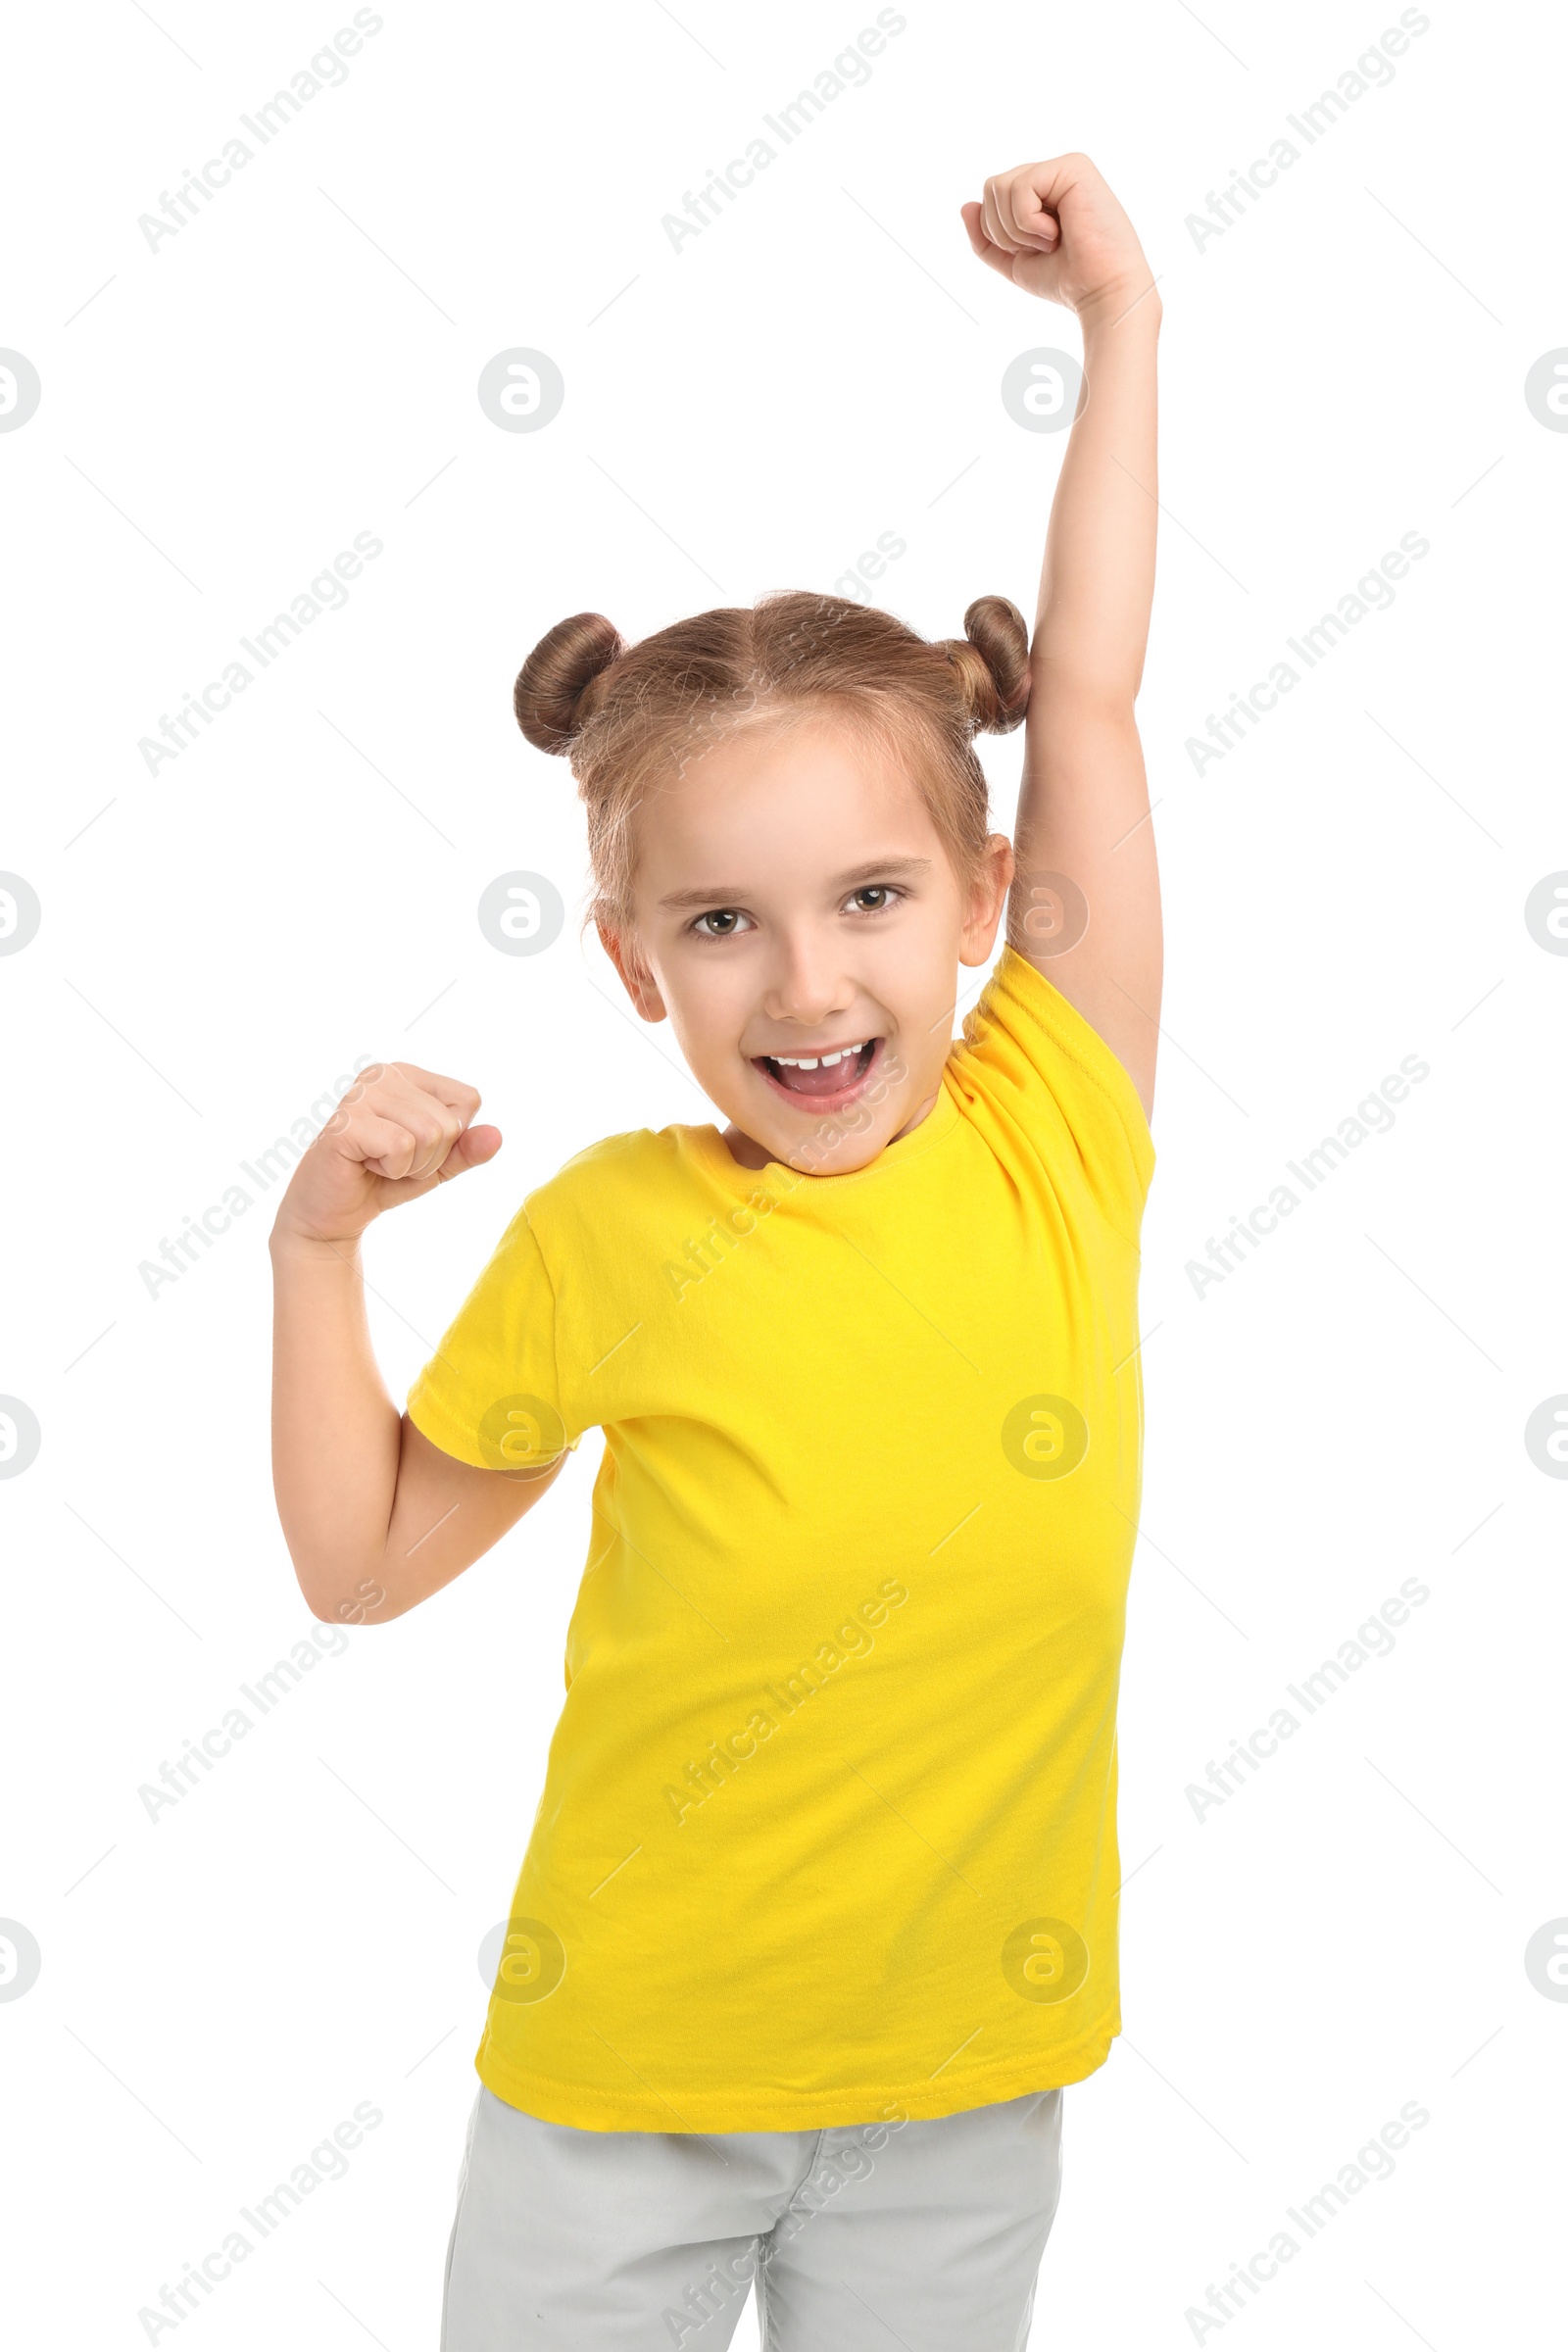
(620, 1178)
(1030, 1055)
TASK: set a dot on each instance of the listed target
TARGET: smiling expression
(798, 918)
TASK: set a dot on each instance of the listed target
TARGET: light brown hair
(630, 717)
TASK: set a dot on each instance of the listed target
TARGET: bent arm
(374, 1516)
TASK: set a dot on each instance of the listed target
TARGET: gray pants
(858, 2238)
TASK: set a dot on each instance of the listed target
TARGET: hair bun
(551, 697)
(992, 658)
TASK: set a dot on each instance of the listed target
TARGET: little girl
(819, 1910)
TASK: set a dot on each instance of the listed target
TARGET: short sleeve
(490, 1395)
(1031, 1061)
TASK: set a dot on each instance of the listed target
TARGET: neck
(751, 1154)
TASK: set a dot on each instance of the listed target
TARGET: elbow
(1091, 695)
(365, 1604)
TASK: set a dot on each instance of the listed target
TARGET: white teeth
(802, 1061)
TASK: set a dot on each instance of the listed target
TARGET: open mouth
(829, 1077)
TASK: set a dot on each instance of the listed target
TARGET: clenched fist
(1057, 230)
(397, 1132)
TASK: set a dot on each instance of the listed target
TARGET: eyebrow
(875, 869)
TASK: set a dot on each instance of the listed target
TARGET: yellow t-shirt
(829, 1817)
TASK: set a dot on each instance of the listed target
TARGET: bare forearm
(1097, 582)
(337, 1434)
(376, 1517)
(1086, 889)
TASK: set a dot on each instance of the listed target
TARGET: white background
(298, 889)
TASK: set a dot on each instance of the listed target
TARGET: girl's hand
(1055, 230)
(397, 1132)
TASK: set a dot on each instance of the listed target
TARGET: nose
(808, 984)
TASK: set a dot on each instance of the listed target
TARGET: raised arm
(1085, 904)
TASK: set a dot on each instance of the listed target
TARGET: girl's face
(795, 905)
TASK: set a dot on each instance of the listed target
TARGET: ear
(988, 896)
(635, 976)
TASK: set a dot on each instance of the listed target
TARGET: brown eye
(872, 898)
(721, 923)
